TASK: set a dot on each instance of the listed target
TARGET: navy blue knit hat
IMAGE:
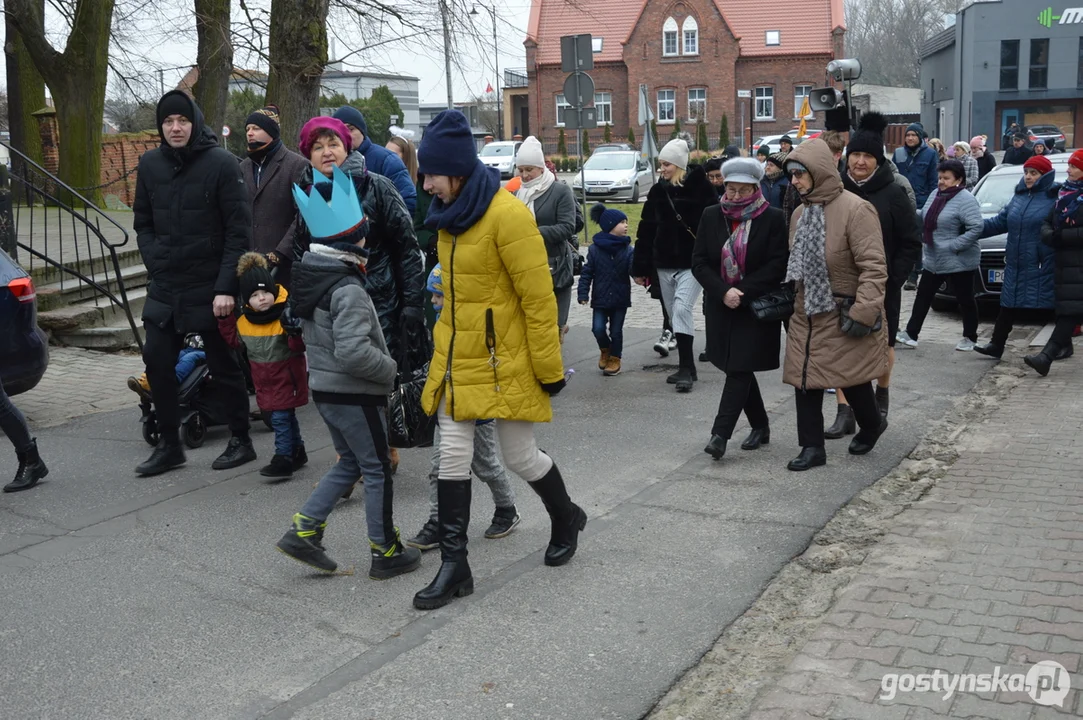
(918, 128)
(448, 147)
(607, 218)
(352, 116)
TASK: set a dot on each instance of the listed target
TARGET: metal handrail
(51, 200)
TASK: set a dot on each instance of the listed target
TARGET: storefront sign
(1069, 16)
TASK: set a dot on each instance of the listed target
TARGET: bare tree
(887, 36)
(488, 118)
(298, 55)
(77, 78)
(214, 58)
(26, 94)
(131, 116)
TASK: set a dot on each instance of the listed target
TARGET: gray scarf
(807, 262)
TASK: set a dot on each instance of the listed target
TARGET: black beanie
(254, 275)
(266, 119)
(869, 137)
(175, 102)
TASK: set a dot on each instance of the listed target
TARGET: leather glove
(855, 329)
(290, 322)
(554, 388)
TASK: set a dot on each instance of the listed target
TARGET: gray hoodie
(348, 360)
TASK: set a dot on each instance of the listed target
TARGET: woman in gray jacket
(951, 227)
(553, 206)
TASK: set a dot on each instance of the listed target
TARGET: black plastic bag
(407, 424)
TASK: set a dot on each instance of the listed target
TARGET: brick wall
(783, 75)
(120, 156)
(718, 69)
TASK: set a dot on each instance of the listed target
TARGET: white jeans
(680, 289)
(517, 445)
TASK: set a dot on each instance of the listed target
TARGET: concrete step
(96, 312)
(72, 291)
(43, 274)
(106, 337)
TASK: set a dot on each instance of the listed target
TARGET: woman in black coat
(663, 249)
(740, 254)
(1063, 231)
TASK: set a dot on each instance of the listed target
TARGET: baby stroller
(201, 406)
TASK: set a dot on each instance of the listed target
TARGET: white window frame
(596, 44)
(670, 31)
(671, 101)
(766, 94)
(798, 100)
(699, 102)
(771, 38)
(690, 31)
(561, 107)
(603, 103)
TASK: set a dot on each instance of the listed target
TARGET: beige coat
(818, 354)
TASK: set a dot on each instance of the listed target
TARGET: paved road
(164, 598)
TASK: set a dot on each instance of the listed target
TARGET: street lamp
(496, 58)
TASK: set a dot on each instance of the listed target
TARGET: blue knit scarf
(465, 210)
(1068, 199)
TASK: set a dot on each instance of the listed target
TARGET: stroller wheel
(150, 432)
(195, 432)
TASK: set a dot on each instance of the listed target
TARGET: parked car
(1048, 134)
(993, 192)
(501, 155)
(24, 348)
(615, 176)
(771, 141)
(612, 147)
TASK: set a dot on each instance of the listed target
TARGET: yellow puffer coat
(497, 338)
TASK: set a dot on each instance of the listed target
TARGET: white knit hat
(675, 153)
(530, 154)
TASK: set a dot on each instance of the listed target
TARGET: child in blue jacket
(609, 263)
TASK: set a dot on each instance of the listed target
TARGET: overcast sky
(169, 42)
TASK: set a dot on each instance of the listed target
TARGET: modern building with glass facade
(1005, 61)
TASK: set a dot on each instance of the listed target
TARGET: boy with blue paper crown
(609, 262)
(485, 465)
(351, 374)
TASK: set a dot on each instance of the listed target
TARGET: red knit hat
(1077, 159)
(1041, 163)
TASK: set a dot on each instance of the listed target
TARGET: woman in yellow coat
(497, 347)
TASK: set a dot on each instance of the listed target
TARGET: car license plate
(996, 276)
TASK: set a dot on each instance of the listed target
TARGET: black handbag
(776, 305)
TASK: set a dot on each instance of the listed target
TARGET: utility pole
(447, 53)
(496, 59)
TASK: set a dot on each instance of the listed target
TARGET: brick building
(692, 56)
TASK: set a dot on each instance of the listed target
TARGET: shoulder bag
(774, 306)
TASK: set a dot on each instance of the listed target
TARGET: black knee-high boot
(454, 578)
(567, 518)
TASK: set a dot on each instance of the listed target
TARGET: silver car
(622, 176)
(501, 155)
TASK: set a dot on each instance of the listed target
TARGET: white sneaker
(662, 346)
(672, 344)
(965, 345)
(905, 339)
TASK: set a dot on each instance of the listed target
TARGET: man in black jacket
(870, 176)
(193, 221)
(1018, 153)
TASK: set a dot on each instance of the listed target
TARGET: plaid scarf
(1068, 199)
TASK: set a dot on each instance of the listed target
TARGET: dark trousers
(14, 424)
(1062, 331)
(160, 352)
(613, 340)
(1006, 319)
(810, 412)
(963, 285)
(741, 392)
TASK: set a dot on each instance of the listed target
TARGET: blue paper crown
(329, 219)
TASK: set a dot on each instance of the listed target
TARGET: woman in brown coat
(836, 336)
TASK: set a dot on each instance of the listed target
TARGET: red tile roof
(614, 21)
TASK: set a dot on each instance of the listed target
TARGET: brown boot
(140, 386)
(603, 359)
(612, 367)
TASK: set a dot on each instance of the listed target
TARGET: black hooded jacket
(664, 240)
(193, 222)
(898, 220)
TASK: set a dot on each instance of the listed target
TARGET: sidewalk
(80, 382)
(967, 559)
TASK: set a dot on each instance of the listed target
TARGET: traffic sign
(581, 119)
(225, 131)
(744, 93)
(576, 53)
(579, 89)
